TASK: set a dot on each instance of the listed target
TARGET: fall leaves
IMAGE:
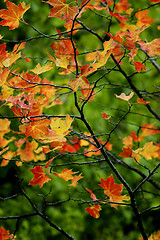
(41, 137)
(113, 192)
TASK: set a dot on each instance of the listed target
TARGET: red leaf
(5, 234)
(39, 176)
(94, 210)
(127, 153)
(104, 115)
(139, 66)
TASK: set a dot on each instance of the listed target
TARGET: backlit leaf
(13, 14)
(113, 191)
(39, 176)
(141, 101)
(139, 66)
(143, 18)
(66, 174)
(94, 210)
(38, 69)
(62, 9)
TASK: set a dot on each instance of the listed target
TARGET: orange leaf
(3, 76)
(36, 129)
(94, 210)
(124, 97)
(104, 55)
(141, 101)
(39, 176)
(79, 82)
(4, 127)
(128, 142)
(60, 7)
(143, 19)
(13, 14)
(152, 48)
(113, 190)
(3, 52)
(150, 151)
(75, 179)
(122, 5)
(148, 130)
(66, 174)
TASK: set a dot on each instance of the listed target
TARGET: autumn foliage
(83, 106)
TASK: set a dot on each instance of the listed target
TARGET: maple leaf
(139, 66)
(75, 179)
(148, 130)
(39, 176)
(143, 19)
(61, 8)
(152, 48)
(124, 97)
(128, 142)
(4, 127)
(4, 235)
(70, 148)
(3, 75)
(61, 127)
(141, 101)
(81, 80)
(118, 16)
(94, 210)
(116, 37)
(66, 174)
(28, 154)
(150, 151)
(122, 5)
(3, 52)
(13, 14)
(103, 56)
(36, 129)
(129, 153)
(38, 69)
(153, 236)
(113, 190)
